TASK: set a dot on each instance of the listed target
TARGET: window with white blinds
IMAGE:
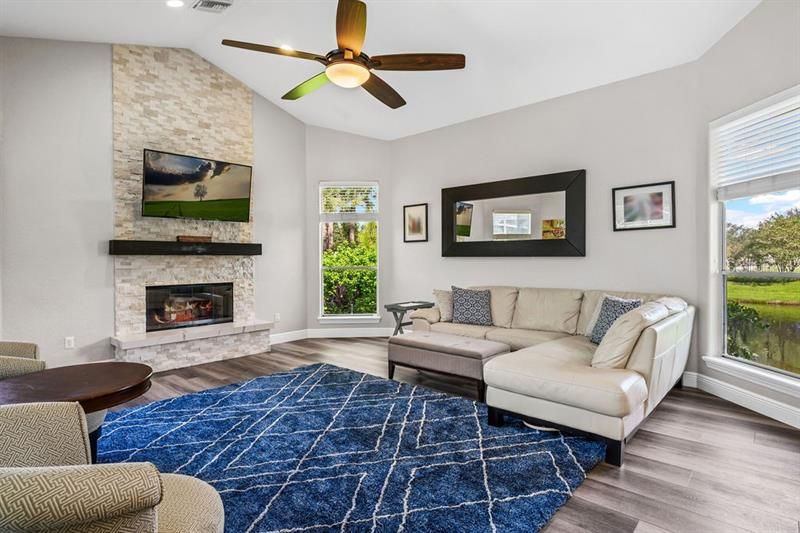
(757, 149)
(348, 232)
(344, 198)
(755, 164)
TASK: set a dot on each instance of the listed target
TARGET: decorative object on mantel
(193, 238)
(348, 66)
(415, 223)
(541, 216)
(119, 247)
(649, 206)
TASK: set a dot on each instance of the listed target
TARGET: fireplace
(183, 306)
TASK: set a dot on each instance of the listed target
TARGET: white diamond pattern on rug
(322, 448)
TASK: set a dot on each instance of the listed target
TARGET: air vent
(212, 6)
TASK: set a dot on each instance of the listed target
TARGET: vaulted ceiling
(518, 52)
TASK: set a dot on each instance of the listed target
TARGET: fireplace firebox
(183, 306)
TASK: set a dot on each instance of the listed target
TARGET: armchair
(17, 358)
(48, 485)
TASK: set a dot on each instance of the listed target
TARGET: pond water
(777, 345)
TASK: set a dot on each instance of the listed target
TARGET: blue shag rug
(321, 448)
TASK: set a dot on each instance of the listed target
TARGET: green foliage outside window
(349, 261)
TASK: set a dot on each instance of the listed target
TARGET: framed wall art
(415, 223)
(649, 206)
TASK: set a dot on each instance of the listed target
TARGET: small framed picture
(415, 223)
(649, 206)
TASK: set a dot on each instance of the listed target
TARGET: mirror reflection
(526, 217)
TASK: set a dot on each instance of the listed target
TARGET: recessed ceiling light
(287, 48)
(175, 3)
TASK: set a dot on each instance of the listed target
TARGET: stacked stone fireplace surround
(172, 100)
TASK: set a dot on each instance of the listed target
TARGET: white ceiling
(518, 52)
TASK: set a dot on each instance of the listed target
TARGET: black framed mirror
(534, 216)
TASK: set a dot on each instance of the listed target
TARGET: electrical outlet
(277, 317)
(69, 343)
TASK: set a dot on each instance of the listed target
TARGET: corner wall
(57, 197)
(56, 201)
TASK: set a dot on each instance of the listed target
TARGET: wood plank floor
(698, 464)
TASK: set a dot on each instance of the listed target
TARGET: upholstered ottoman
(448, 354)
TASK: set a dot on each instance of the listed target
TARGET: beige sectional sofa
(548, 377)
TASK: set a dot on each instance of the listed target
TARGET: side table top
(408, 306)
(95, 386)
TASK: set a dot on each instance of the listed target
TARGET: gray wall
(336, 156)
(279, 188)
(56, 201)
(756, 59)
(636, 131)
(55, 161)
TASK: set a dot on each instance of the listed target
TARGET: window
(755, 161)
(511, 225)
(348, 249)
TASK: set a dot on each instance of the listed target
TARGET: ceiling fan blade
(383, 92)
(274, 50)
(308, 86)
(351, 25)
(418, 62)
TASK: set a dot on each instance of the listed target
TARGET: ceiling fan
(347, 66)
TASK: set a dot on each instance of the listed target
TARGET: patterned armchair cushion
(63, 497)
(43, 434)
(472, 307)
(18, 366)
(28, 350)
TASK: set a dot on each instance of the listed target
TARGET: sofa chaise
(548, 377)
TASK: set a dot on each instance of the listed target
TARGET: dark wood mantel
(117, 247)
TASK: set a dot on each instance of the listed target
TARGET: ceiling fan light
(347, 74)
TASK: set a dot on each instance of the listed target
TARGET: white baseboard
(349, 332)
(321, 333)
(755, 402)
(288, 336)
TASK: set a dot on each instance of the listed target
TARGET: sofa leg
(495, 417)
(615, 449)
(481, 391)
(391, 370)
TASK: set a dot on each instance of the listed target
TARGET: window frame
(517, 213)
(739, 189)
(353, 218)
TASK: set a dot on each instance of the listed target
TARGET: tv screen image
(183, 186)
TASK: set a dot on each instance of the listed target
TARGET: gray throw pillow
(472, 307)
(610, 310)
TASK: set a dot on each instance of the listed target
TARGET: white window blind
(348, 198)
(757, 149)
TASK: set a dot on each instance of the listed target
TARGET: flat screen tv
(184, 186)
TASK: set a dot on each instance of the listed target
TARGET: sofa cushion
(452, 344)
(610, 310)
(472, 307)
(531, 372)
(548, 310)
(430, 314)
(521, 338)
(592, 300)
(503, 302)
(618, 343)
(444, 301)
(467, 330)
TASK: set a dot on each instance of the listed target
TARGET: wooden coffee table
(96, 386)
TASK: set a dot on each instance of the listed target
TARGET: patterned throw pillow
(444, 301)
(472, 307)
(610, 310)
